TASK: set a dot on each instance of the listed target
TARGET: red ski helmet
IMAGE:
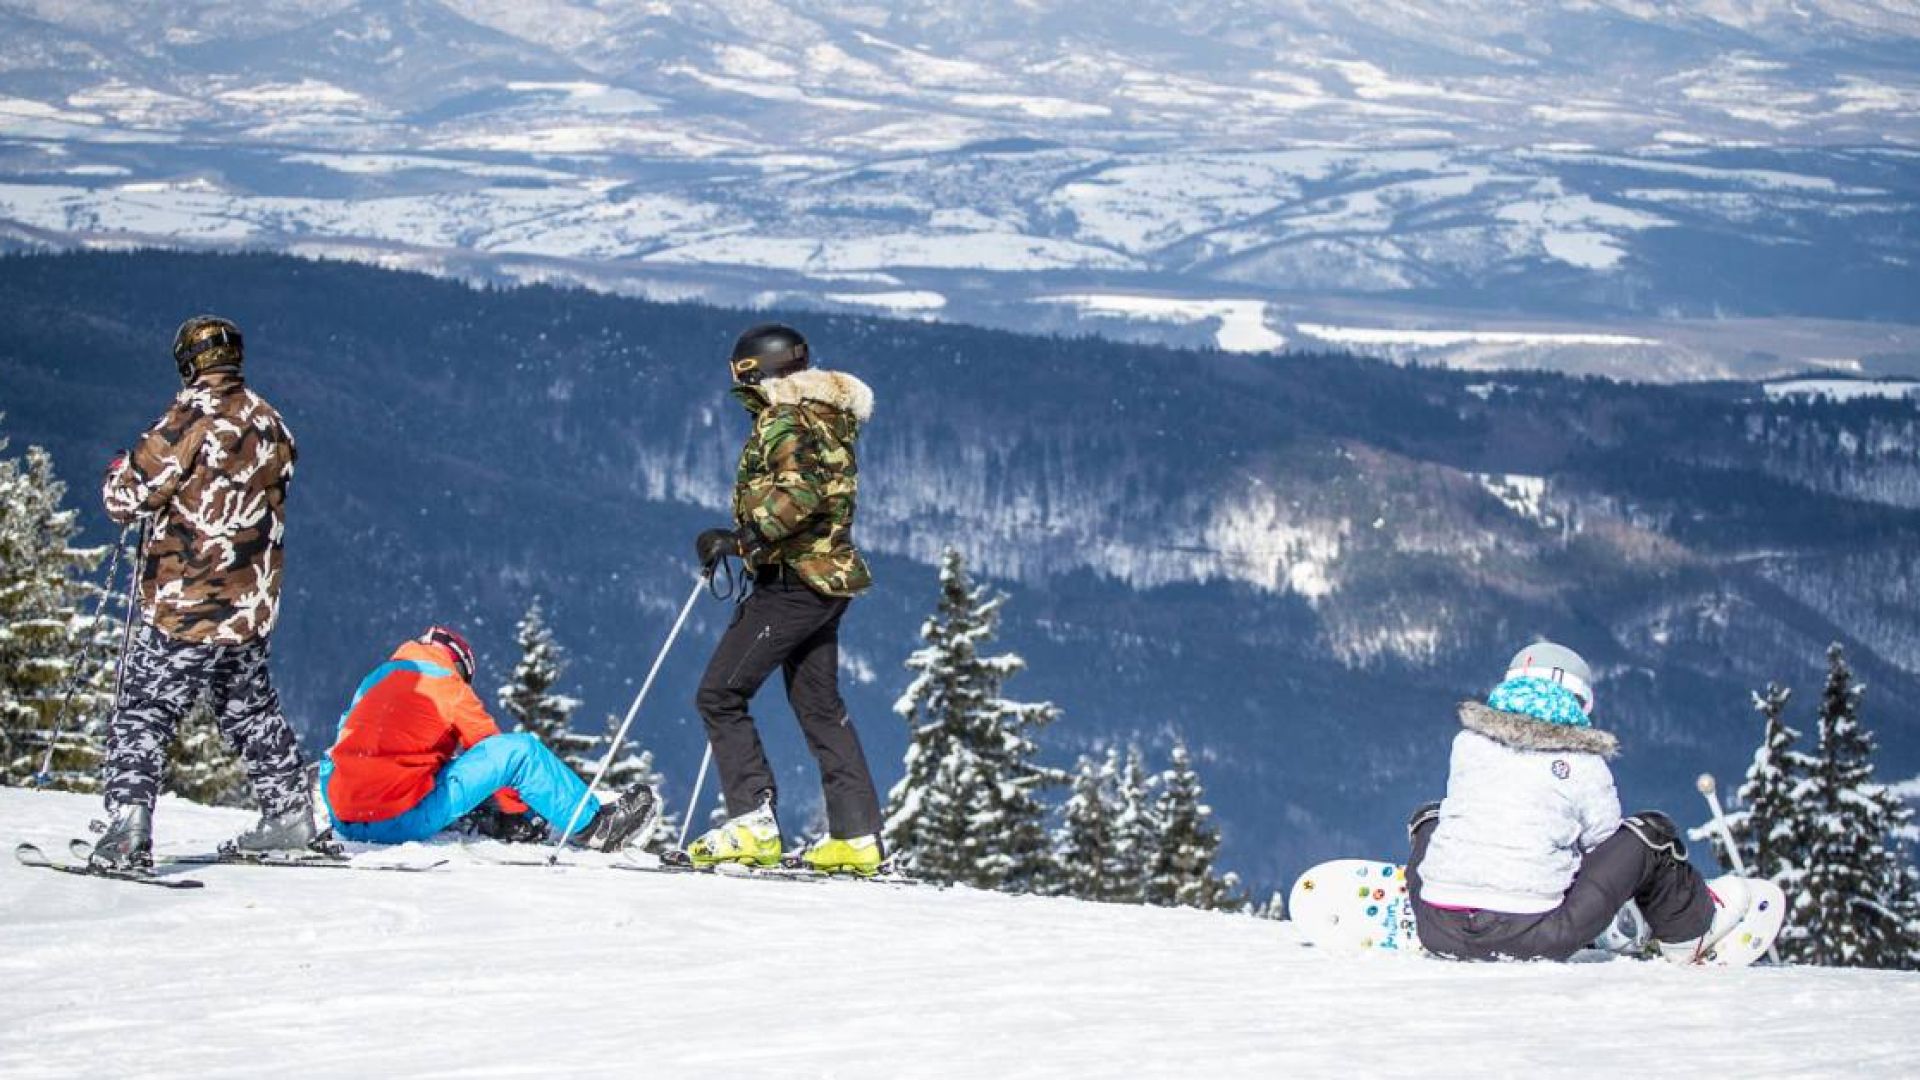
(450, 640)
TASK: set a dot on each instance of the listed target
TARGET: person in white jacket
(1528, 856)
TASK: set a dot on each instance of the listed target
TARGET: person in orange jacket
(416, 751)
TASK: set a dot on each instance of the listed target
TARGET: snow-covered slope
(584, 971)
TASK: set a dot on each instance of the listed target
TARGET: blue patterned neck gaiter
(1540, 699)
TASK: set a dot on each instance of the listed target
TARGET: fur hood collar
(836, 389)
(1526, 733)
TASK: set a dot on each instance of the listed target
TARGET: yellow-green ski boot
(832, 855)
(752, 838)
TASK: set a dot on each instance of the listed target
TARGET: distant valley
(1619, 189)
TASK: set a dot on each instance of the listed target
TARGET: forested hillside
(1294, 562)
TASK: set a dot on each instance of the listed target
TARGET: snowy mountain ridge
(1664, 191)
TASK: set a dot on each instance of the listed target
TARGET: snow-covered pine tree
(1136, 829)
(1860, 904)
(1083, 845)
(969, 808)
(1181, 874)
(47, 619)
(1768, 826)
(529, 698)
(201, 766)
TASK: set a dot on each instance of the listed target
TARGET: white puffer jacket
(1525, 800)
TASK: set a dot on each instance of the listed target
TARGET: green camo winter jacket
(798, 475)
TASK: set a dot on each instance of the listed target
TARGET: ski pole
(44, 776)
(613, 745)
(693, 804)
(1711, 792)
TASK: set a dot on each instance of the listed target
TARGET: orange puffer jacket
(411, 716)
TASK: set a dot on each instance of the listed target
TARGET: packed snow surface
(488, 970)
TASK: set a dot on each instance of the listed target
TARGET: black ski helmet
(206, 341)
(767, 351)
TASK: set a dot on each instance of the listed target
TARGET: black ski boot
(626, 822)
(127, 845)
(288, 831)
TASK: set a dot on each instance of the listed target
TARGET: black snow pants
(1670, 893)
(161, 679)
(785, 624)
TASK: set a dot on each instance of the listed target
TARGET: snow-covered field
(1843, 389)
(486, 970)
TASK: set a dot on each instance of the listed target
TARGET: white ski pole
(1712, 794)
(693, 804)
(613, 746)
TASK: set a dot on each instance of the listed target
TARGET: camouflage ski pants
(161, 680)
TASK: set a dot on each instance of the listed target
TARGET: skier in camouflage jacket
(208, 481)
(793, 508)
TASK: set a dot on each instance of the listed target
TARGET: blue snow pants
(517, 760)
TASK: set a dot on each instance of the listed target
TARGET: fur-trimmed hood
(836, 389)
(1525, 733)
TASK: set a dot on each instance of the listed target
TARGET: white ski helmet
(1555, 664)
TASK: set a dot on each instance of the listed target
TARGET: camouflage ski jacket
(211, 479)
(799, 477)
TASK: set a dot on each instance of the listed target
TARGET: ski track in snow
(483, 970)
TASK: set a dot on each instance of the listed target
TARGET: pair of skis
(789, 868)
(80, 851)
(675, 861)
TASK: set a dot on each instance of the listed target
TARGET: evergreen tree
(1136, 830)
(1768, 827)
(1181, 874)
(969, 807)
(1860, 903)
(1083, 847)
(201, 766)
(529, 698)
(56, 660)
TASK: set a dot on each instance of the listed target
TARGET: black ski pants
(1670, 893)
(784, 624)
(161, 679)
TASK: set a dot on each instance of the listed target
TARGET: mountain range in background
(1295, 563)
(1652, 191)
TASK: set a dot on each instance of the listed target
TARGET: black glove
(715, 544)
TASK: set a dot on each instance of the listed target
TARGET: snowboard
(1360, 905)
(1354, 905)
